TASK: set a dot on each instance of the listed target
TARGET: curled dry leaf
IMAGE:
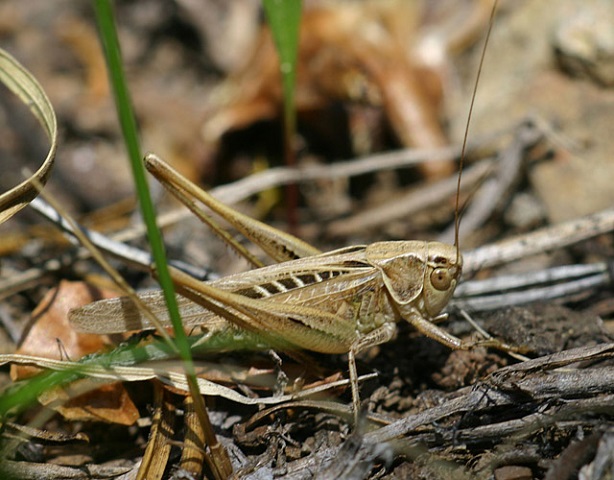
(358, 54)
(19, 81)
(51, 335)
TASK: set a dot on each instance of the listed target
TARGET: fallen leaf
(360, 55)
(52, 336)
(105, 403)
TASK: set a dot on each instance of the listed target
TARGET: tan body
(338, 302)
(356, 291)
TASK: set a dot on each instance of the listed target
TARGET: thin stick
(529, 279)
(114, 274)
(414, 201)
(539, 294)
(539, 241)
(127, 253)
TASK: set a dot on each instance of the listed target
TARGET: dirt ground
(379, 83)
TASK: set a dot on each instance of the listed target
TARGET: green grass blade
(284, 18)
(220, 464)
(127, 120)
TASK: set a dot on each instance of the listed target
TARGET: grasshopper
(343, 301)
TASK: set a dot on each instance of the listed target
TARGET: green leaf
(284, 18)
(123, 103)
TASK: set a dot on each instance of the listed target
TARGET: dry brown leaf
(17, 79)
(52, 336)
(354, 53)
(105, 403)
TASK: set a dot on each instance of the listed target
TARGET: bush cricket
(343, 301)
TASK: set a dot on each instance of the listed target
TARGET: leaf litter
(453, 414)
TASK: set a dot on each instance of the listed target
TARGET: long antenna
(466, 135)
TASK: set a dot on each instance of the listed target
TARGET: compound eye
(441, 279)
